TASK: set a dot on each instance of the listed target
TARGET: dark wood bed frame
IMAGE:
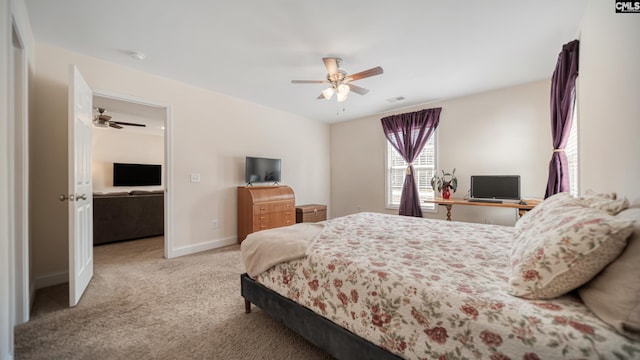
(333, 339)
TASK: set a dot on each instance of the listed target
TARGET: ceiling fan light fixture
(328, 92)
(341, 97)
(343, 89)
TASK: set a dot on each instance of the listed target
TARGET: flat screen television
(500, 187)
(261, 170)
(136, 174)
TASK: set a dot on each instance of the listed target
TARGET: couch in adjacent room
(127, 215)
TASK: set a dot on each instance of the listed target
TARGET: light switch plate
(195, 177)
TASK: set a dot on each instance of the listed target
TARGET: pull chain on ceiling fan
(340, 83)
(102, 120)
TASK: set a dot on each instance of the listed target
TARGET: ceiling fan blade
(309, 81)
(357, 89)
(104, 117)
(126, 123)
(364, 74)
(321, 96)
(116, 126)
(331, 64)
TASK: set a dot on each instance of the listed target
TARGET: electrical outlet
(215, 223)
(195, 177)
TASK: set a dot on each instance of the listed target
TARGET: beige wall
(111, 145)
(499, 132)
(211, 135)
(609, 101)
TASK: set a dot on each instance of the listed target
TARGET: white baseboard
(209, 245)
(52, 279)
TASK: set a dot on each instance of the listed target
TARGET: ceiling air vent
(395, 99)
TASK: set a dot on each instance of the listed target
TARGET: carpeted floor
(142, 306)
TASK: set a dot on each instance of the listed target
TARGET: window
(424, 167)
(571, 150)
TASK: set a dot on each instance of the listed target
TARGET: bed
(380, 286)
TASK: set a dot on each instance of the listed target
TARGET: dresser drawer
(273, 220)
(272, 207)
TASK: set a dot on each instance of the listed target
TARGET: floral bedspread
(431, 289)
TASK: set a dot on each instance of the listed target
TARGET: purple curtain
(408, 133)
(563, 85)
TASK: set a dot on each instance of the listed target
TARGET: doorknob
(64, 197)
(72, 197)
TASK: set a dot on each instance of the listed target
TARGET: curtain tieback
(558, 150)
(409, 168)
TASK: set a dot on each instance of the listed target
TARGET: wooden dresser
(264, 207)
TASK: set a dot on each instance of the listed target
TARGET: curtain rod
(407, 107)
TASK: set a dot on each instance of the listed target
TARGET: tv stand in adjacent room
(520, 207)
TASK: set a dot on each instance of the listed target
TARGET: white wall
(211, 134)
(609, 101)
(111, 145)
(505, 132)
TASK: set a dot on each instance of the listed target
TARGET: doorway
(19, 177)
(142, 145)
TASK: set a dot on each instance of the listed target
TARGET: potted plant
(445, 183)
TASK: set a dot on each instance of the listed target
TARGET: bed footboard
(333, 339)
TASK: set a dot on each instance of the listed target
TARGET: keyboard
(494, 201)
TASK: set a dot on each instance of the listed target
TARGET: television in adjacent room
(499, 187)
(136, 174)
(262, 170)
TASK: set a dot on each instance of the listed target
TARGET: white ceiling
(252, 49)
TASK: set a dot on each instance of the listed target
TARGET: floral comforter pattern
(431, 289)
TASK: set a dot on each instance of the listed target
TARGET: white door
(80, 186)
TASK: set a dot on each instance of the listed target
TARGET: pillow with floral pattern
(533, 216)
(606, 202)
(567, 245)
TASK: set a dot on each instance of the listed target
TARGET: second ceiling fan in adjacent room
(102, 120)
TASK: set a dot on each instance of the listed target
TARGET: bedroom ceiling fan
(339, 81)
(102, 120)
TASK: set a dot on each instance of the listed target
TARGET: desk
(448, 203)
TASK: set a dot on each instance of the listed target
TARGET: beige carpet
(142, 306)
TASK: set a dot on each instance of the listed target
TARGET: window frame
(572, 152)
(426, 207)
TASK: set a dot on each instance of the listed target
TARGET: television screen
(259, 170)
(136, 174)
(505, 187)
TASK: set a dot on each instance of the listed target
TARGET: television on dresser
(125, 174)
(262, 170)
(499, 187)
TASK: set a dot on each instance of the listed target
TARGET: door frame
(23, 289)
(168, 161)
